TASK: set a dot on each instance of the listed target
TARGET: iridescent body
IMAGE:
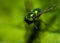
(30, 18)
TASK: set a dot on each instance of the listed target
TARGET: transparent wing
(28, 8)
(28, 5)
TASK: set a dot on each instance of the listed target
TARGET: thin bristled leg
(50, 8)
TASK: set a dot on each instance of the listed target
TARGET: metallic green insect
(33, 17)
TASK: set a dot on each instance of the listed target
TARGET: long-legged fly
(33, 17)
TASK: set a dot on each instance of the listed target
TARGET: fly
(33, 17)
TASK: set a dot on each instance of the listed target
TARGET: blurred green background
(12, 24)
